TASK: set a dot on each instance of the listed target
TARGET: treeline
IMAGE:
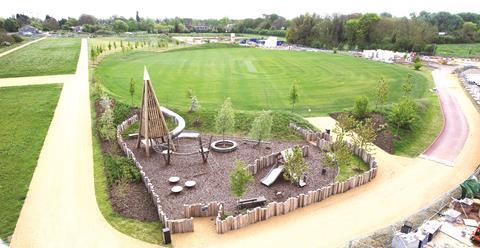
(372, 31)
(266, 25)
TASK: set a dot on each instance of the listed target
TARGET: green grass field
(25, 117)
(6, 48)
(46, 57)
(459, 50)
(255, 79)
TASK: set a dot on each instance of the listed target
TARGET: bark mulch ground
(133, 201)
(213, 178)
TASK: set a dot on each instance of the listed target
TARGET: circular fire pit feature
(224, 146)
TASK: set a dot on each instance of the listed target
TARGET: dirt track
(402, 187)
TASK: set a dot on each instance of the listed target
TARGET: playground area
(212, 178)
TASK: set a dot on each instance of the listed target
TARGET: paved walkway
(21, 81)
(450, 141)
(402, 187)
(61, 209)
(20, 47)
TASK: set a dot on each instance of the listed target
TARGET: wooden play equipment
(153, 131)
(203, 151)
(152, 123)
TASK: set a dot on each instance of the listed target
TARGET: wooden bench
(252, 202)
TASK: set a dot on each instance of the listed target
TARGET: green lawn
(255, 79)
(25, 117)
(349, 171)
(6, 48)
(459, 50)
(46, 57)
(428, 126)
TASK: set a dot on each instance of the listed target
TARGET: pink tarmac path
(451, 140)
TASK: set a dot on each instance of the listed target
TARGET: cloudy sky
(231, 9)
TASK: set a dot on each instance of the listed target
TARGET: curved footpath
(60, 209)
(402, 187)
(449, 143)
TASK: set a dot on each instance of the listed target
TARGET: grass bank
(459, 50)
(50, 56)
(25, 117)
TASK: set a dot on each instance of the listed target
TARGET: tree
(365, 135)
(293, 97)
(50, 23)
(225, 119)
(10, 25)
(468, 31)
(403, 114)
(342, 154)
(132, 88)
(344, 125)
(261, 127)
(239, 179)
(407, 87)
(360, 107)
(294, 166)
(381, 94)
(194, 104)
(120, 26)
(87, 19)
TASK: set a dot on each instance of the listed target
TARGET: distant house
(76, 29)
(28, 30)
(201, 28)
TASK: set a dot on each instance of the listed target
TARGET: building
(28, 30)
(76, 29)
(201, 28)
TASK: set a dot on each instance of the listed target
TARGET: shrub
(106, 126)
(403, 114)
(417, 65)
(5, 38)
(120, 112)
(120, 170)
(335, 50)
(360, 107)
(17, 38)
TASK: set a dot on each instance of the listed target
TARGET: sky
(203, 9)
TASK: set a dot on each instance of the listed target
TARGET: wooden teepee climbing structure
(152, 123)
